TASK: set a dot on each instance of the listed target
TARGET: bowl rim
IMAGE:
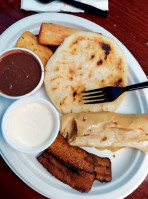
(38, 86)
(11, 139)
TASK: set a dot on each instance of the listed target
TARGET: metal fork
(109, 93)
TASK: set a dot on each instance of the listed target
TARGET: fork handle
(136, 86)
(87, 8)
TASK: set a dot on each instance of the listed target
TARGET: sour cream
(32, 123)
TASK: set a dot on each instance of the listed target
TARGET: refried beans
(20, 73)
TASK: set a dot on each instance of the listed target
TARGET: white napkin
(56, 6)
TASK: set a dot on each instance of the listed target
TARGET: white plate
(129, 166)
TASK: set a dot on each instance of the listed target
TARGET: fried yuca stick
(29, 41)
(54, 34)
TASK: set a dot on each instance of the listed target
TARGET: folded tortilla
(106, 130)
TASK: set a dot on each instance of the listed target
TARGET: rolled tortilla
(106, 130)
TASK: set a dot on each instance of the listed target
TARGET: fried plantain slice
(71, 155)
(80, 180)
(103, 169)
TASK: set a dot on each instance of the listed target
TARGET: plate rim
(122, 46)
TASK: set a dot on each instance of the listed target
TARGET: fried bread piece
(29, 41)
(54, 34)
(103, 169)
(71, 155)
(77, 179)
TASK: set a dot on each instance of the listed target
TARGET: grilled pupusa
(84, 61)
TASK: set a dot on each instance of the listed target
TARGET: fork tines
(99, 96)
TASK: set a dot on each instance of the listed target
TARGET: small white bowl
(9, 135)
(42, 73)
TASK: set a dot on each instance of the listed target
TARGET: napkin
(57, 6)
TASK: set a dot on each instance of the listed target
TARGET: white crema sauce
(32, 123)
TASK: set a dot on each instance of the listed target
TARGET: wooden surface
(128, 21)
